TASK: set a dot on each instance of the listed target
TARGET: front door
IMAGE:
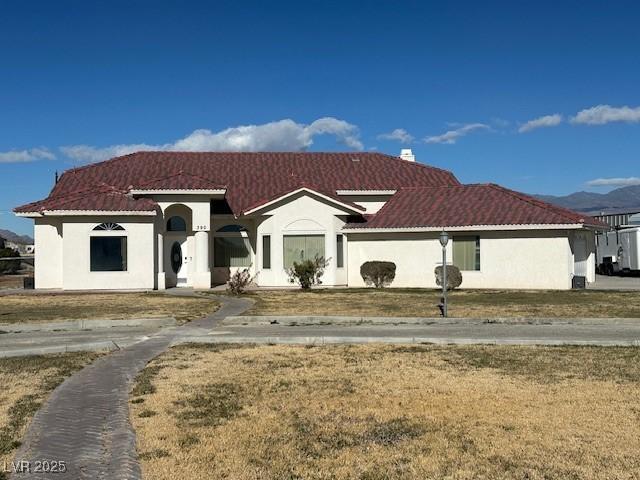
(179, 261)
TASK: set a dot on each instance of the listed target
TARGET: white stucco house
(152, 220)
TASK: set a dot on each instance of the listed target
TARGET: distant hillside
(625, 197)
(14, 237)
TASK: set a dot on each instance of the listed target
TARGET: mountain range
(589, 202)
(14, 237)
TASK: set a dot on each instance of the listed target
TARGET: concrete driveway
(604, 282)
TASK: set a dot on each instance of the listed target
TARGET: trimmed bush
(308, 272)
(239, 281)
(454, 277)
(378, 273)
(9, 266)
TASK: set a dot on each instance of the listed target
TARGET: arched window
(108, 248)
(176, 224)
(231, 247)
(108, 226)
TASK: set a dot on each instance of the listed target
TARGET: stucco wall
(76, 272)
(48, 256)
(302, 215)
(372, 203)
(535, 259)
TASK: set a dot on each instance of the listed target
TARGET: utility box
(578, 282)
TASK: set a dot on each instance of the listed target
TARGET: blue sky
(81, 81)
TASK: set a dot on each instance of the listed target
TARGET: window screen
(466, 253)
(302, 247)
(266, 251)
(231, 252)
(108, 254)
(339, 251)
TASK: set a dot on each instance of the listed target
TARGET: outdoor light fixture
(444, 239)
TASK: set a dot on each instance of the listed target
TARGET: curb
(333, 340)
(86, 324)
(301, 320)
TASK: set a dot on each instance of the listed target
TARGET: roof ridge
(101, 162)
(565, 212)
(99, 187)
(177, 173)
(420, 164)
(301, 186)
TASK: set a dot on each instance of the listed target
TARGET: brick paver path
(85, 422)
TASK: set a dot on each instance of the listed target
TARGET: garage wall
(514, 260)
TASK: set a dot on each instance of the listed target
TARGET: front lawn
(49, 308)
(26, 382)
(387, 412)
(462, 303)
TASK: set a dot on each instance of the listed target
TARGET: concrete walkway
(85, 422)
(43, 342)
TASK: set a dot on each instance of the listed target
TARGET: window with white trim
(339, 251)
(266, 252)
(298, 248)
(108, 254)
(466, 252)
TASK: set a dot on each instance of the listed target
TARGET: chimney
(407, 154)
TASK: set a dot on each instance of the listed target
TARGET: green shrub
(454, 277)
(377, 273)
(308, 272)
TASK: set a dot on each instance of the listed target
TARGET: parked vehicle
(618, 251)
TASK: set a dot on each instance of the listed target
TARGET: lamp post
(444, 239)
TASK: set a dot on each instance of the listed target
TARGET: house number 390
(201, 227)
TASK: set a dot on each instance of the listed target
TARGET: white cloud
(399, 135)
(601, 114)
(541, 122)
(452, 136)
(614, 182)
(23, 156)
(282, 135)
(89, 154)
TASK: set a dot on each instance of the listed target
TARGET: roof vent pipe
(407, 154)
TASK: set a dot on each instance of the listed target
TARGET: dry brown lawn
(389, 412)
(26, 382)
(48, 308)
(463, 303)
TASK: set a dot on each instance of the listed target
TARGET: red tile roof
(466, 205)
(177, 181)
(248, 177)
(331, 195)
(102, 198)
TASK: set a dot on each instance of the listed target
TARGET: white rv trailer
(618, 251)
